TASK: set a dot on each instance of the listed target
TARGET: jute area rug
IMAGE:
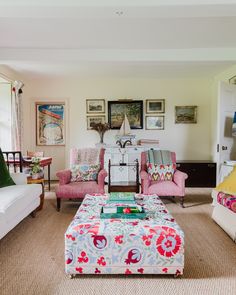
(32, 256)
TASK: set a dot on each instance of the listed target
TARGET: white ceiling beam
(73, 55)
(187, 10)
(112, 3)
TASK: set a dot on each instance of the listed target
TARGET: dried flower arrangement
(101, 128)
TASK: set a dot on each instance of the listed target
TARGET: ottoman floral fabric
(154, 245)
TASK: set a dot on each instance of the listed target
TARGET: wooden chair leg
(33, 213)
(182, 202)
(58, 204)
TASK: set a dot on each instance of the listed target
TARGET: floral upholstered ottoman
(154, 245)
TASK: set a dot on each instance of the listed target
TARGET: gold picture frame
(186, 114)
(155, 122)
(95, 119)
(94, 106)
(154, 106)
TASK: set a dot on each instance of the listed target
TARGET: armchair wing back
(78, 189)
(174, 187)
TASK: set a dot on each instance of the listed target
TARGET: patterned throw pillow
(160, 172)
(84, 172)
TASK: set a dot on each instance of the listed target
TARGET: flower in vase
(101, 128)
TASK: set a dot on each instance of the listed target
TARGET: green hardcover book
(121, 197)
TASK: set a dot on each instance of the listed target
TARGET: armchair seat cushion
(78, 189)
(165, 188)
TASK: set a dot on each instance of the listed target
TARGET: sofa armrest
(64, 176)
(19, 178)
(101, 177)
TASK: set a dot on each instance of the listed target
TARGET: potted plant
(36, 170)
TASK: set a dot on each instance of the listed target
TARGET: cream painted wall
(189, 141)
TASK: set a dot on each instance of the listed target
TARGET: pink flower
(169, 242)
(128, 272)
(79, 269)
(141, 270)
(118, 239)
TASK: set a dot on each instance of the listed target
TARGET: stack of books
(118, 199)
(149, 142)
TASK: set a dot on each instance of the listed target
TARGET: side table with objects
(30, 180)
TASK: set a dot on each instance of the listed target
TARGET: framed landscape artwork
(185, 114)
(50, 123)
(133, 110)
(155, 122)
(155, 106)
(94, 106)
(94, 120)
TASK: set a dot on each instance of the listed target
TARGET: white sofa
(17, 202)
(224, 217)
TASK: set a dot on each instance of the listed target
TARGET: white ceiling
(139, 38)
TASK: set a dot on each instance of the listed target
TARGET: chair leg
(58, 204)
(182, 202)
(33, 213)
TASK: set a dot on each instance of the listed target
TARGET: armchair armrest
(179, 178)
(64, 176)
(102, 174)
(19, 178)
(145, 181)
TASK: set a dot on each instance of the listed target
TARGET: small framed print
(155, 106)
(185, 114)
(94, 120)
(155, 122)
(94, 106)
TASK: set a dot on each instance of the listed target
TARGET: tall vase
(101, 137)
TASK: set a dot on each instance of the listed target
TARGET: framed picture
(95, 106)
(50, 123)
(94, 120)
(232, 80)
(155, 122)
(155, 106)
(133, 110)
(186, 114)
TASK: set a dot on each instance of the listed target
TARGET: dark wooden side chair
(14, 161)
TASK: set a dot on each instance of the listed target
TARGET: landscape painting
(95, 106)
(132, 109)
(186, 114)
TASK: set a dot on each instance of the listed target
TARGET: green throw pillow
(5, 178)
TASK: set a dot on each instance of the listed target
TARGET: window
(5, 115)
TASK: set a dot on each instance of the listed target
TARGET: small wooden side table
(30, 180)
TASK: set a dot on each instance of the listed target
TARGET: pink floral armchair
(78, 189)
(176, 187)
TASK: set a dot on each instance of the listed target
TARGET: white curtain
(16, 115)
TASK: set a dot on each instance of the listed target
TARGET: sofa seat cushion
(164, 188)
(78, 189)
(14, 199)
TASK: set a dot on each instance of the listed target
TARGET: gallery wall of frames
(146, 114)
